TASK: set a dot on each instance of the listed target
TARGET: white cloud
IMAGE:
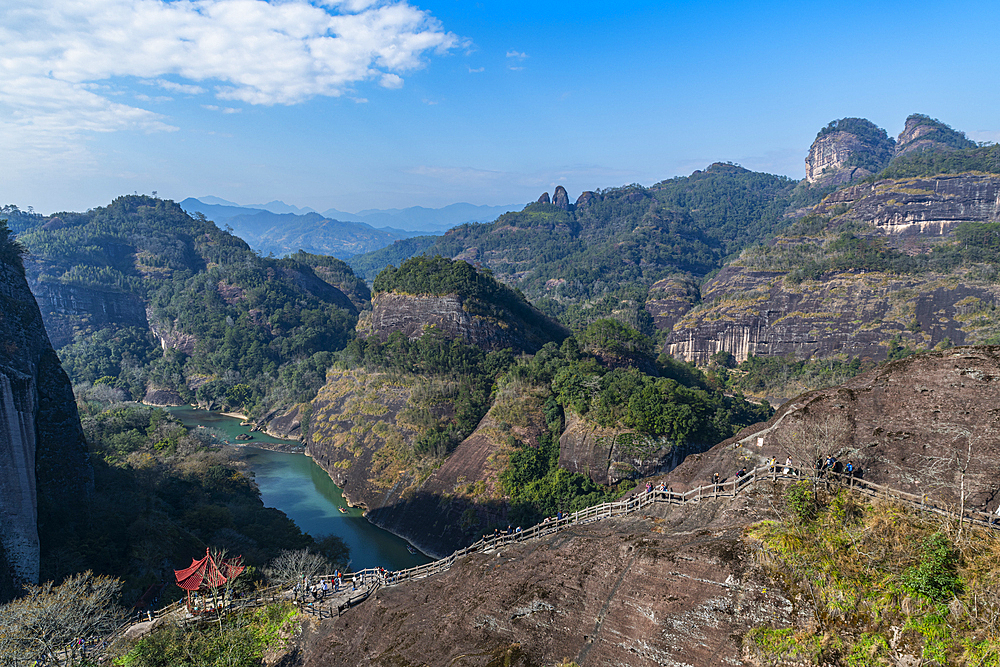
(477, 70)
(173, 87)
(391, 81)
(515, 54)
(61, 61)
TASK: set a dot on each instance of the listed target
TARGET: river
(294, 484)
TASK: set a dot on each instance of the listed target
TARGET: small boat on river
(343, 510)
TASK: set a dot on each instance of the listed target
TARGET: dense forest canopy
(248, 320)
(618, 242)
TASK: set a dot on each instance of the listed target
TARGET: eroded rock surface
(362, 433)
(669, 587)
(44, 463)
(914, 424)
(608, 455)
(455, 318)
(68, 308)
(748, 312)
(921, 206)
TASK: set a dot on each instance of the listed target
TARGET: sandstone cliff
(71, 309)
(847, 150)
(924, 424)
(44, 466)
(765, 303)
(923, 132)
(857, 314)
(457, 317)
(919, 206)
(362, 430)
(665, 587)
(609, 455)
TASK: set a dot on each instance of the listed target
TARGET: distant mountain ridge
(411, 219)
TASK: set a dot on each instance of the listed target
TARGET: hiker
(715, 481)
(788, 466)
(849, 470)
(649, 487)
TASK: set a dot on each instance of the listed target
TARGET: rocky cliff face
(44, 465)
(847, 150)
(749, 312)
(70, 309)
(914, 424)
(920, 206)
(608, 455)
(362, 430)
(451, 315)
(667, 587)
(922, 132)
(751, 309)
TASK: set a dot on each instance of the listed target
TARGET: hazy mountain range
(412, 219)
(279, 228)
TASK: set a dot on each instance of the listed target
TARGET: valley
(502, 373)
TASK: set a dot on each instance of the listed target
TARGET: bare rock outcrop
(668, 587)
(544, 199)
(44, 464)
(560, 198)
(68, 309)
(923, 132)
(847, 150)
(924, 424)
(920, 206)
(609, 455)
(456, 317)
(747, 312)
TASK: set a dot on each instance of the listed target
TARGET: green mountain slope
(228, 326)
(615, 239)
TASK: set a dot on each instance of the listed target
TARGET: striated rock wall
(68, 309)
(828, 156)
(410, 314)
(921, 206)
(856, 314)
(44, 464)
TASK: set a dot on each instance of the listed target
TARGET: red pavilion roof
(205, 573)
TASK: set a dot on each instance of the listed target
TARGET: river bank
(292, 482)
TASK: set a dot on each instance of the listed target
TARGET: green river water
(294, 484)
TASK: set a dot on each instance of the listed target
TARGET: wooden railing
(365, 582)
(724, 489)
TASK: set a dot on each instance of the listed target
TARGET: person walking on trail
(715, 481)
(788, 466)
(649, 487)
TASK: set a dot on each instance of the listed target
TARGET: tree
(48, 621)
(295, 566)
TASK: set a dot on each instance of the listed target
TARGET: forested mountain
(614, 242)
(283, 233)
(156, 299)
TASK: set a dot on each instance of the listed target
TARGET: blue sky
(367, 104)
